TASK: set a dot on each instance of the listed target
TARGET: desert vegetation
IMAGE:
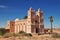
(2, 31)
(27, 36)
(7, 35)
(56, 35)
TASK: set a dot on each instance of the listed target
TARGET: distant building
(32, 24)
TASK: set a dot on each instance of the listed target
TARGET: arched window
(12, 24)
(37, 15)
(36, 21)
(24, 23)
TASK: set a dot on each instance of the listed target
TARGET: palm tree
(51, 20)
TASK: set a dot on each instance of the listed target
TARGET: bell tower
(39, 13)
(30, 12)
(29, 20)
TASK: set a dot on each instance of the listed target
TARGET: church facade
(34, 23)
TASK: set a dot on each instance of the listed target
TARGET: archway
(37, 30)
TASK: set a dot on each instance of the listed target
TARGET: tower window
(12, 24)
(36, 21)
(37, 15)
(24, 23)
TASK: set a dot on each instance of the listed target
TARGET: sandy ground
(36, 37)
(41, 37)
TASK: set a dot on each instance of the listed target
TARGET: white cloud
(3, 6)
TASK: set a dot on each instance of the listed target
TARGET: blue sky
(12, 9)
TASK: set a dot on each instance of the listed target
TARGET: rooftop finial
(30, 8)
(39, 10)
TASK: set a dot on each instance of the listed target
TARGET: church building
(34, 23)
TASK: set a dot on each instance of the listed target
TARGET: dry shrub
(15, 35)
(28, 34)
(56, 35)
(22, 33)
(7, 35)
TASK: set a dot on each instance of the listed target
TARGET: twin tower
(32, 24)
(36, 20)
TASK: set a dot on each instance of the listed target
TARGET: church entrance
(37, 30)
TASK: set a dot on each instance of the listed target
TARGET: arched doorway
(37, 30)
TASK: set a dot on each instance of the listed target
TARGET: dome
(17, 19)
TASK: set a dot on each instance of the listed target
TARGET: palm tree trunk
(51, 28)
